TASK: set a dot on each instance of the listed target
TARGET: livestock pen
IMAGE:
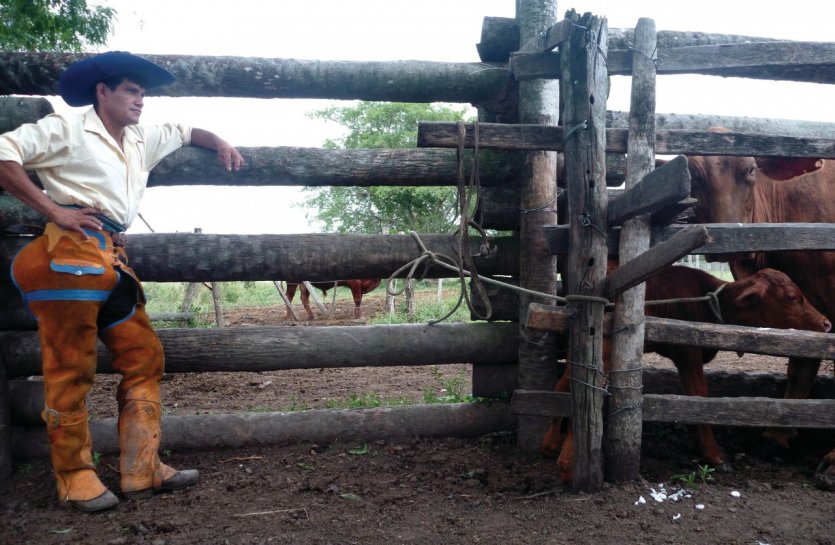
(508, 353)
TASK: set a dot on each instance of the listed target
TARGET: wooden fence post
(538, 104)
(286, 300)
(623, 440)
(584, 88)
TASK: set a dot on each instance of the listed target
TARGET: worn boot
(137, 355)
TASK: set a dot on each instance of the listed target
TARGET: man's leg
(138, 357)
(66, 305)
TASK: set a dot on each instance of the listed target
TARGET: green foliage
(53, 25)
(96, 458)
(453, 389)
(694, 479)
(375, 210)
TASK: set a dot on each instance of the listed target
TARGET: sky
(433, 30)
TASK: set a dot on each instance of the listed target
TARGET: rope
(711, 298)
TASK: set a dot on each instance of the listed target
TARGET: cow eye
(792, 297)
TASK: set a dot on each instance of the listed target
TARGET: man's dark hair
(115, 81)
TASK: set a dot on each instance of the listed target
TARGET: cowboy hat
(78, 82)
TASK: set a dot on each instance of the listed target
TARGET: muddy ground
(424, 491)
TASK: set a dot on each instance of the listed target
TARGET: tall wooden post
(623, 436)
(539, 104)
(584, 88)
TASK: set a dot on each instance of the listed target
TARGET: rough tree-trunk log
(257, 349)
(235, 431)
(190, 257)
(15, 111)
(254, 77)
(538, 104)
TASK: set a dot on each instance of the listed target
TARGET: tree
(53, 25)
(372, 210)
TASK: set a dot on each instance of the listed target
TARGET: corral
(483, 345)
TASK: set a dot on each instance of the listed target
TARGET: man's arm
(227, 155)
(15, 180)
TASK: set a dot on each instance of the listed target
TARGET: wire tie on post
(582, 125)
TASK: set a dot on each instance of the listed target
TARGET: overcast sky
(436, 30)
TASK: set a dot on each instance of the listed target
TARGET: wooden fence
(504, 355)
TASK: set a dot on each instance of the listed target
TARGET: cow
(767, 298)
(774, 190)
(358, 289)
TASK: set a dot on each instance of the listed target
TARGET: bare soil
(424, 491)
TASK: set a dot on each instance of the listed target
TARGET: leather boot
(137, 355)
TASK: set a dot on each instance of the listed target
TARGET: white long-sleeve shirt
(79, 163)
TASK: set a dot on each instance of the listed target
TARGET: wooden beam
(681, 409)
(270, 348)
(555, 35)
(734, 411)
(753, 340)
(538, 137)
(583, 92)
(812, 62)
(666, 185)
(638, 269)
(725, 238)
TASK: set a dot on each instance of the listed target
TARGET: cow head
(770, 299)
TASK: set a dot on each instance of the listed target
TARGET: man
(75, 277)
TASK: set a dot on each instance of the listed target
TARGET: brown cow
(775, 190)
(766, 299)
(358, 289)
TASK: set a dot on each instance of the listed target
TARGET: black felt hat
(78, 82)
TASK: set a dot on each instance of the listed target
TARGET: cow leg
(801, 375)
(551, 442)
(825, 472)
(356, 293)
(565, 463)
(291, 292)
(692, 373)
(305, 295)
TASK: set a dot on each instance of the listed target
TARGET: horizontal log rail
(200, 257)
(27, 399)
(270, 348)
(681, 409)
(751, 340)
(725, 238)
(216, 431)
(258, 77)
(672, 141)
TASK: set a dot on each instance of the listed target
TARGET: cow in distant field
(358, 289)
(766, 299)
(775, 190)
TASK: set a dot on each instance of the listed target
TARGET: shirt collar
(93, 123)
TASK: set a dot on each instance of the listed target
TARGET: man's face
(122, 105)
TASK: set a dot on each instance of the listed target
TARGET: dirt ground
(421, 491)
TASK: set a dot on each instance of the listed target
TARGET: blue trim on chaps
(67, 295)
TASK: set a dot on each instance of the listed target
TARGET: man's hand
(229, 157)
(76, 219)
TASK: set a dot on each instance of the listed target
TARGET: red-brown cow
(775, 190)
(358, 289)
(766, 299)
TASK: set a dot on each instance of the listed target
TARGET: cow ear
(786, 168)
(750, 294)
